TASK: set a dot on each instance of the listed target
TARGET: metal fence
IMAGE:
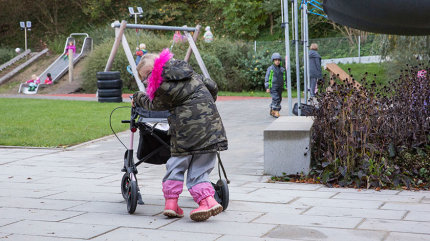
(330, 48)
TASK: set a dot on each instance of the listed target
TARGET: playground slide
(334, 69)
(60, 66)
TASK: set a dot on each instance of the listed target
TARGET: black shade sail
(402, 17)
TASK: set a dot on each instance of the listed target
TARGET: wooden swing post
(195, 36)
(115, 47)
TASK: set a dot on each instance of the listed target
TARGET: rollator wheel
(222, 193)
(125, 182)
(132, 197)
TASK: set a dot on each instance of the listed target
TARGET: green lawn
(358, 71)
(57, 123)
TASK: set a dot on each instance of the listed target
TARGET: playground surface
(74, 194)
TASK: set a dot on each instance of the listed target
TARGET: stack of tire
(109, 86)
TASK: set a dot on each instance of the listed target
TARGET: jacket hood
(177, 70)
(276, 56)
(314, 54)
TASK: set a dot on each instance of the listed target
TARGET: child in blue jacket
(275, 83)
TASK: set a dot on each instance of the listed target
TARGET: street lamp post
(24, 26)
(138, 13)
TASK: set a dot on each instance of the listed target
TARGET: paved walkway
(74, 194)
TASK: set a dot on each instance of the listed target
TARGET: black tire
(110, 93)
(110, 99)
(109, 84)
(223, 193)
(125, 183)
(132, 197)
(108, 75)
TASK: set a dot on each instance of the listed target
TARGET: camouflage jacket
(195, 124)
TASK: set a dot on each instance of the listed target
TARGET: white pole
(137, 31)
(70, 65)
(255, 46)
(25, 34)
(359, 43)
(296, 36)
(287, 57)
(306, 87)
(307, 45)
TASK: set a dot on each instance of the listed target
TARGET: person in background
(33, 82)
(315, 72)
(140, 51)
(274, 83)
(208, 36)
(48, 79)
(178, 37)
(71, 46)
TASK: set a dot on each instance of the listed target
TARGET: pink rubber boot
(171, 190)
(172, 209)
(207, 207)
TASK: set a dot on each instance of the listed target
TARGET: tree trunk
(271, 24)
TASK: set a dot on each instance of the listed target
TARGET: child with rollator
(196, 129)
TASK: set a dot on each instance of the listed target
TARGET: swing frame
(120, 38)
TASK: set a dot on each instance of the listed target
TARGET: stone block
(287, 145)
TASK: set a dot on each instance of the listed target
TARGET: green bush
(6, 54)
(254, 69)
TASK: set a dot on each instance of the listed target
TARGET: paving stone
(308, 202)
(213, 226)
(291, 193)
(28, 186)
(7, 220)
(356, 212)
(415, 193)
(116, 208)
(80, 186)
(12, 192)
(247, 238)
(20, 237)
(393, 236)
(237, 216)
(56, 229)
(21, 179)
(397, 226)
(264, 207)
(284, 186)
(308, 220)
(316, 233)
(407, 206)
(37, 214)
(418, 216)
(134, 234)
(258, 197)
(124, 220)
(364, 191)
(88, 196)
(40, 203)
(377, 197)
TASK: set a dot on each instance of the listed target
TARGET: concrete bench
(287, 145)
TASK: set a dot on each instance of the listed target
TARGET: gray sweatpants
(313, 86)
(276, 94)
(199, 167)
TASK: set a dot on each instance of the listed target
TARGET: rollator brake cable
(222, 167)
(110, 123)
